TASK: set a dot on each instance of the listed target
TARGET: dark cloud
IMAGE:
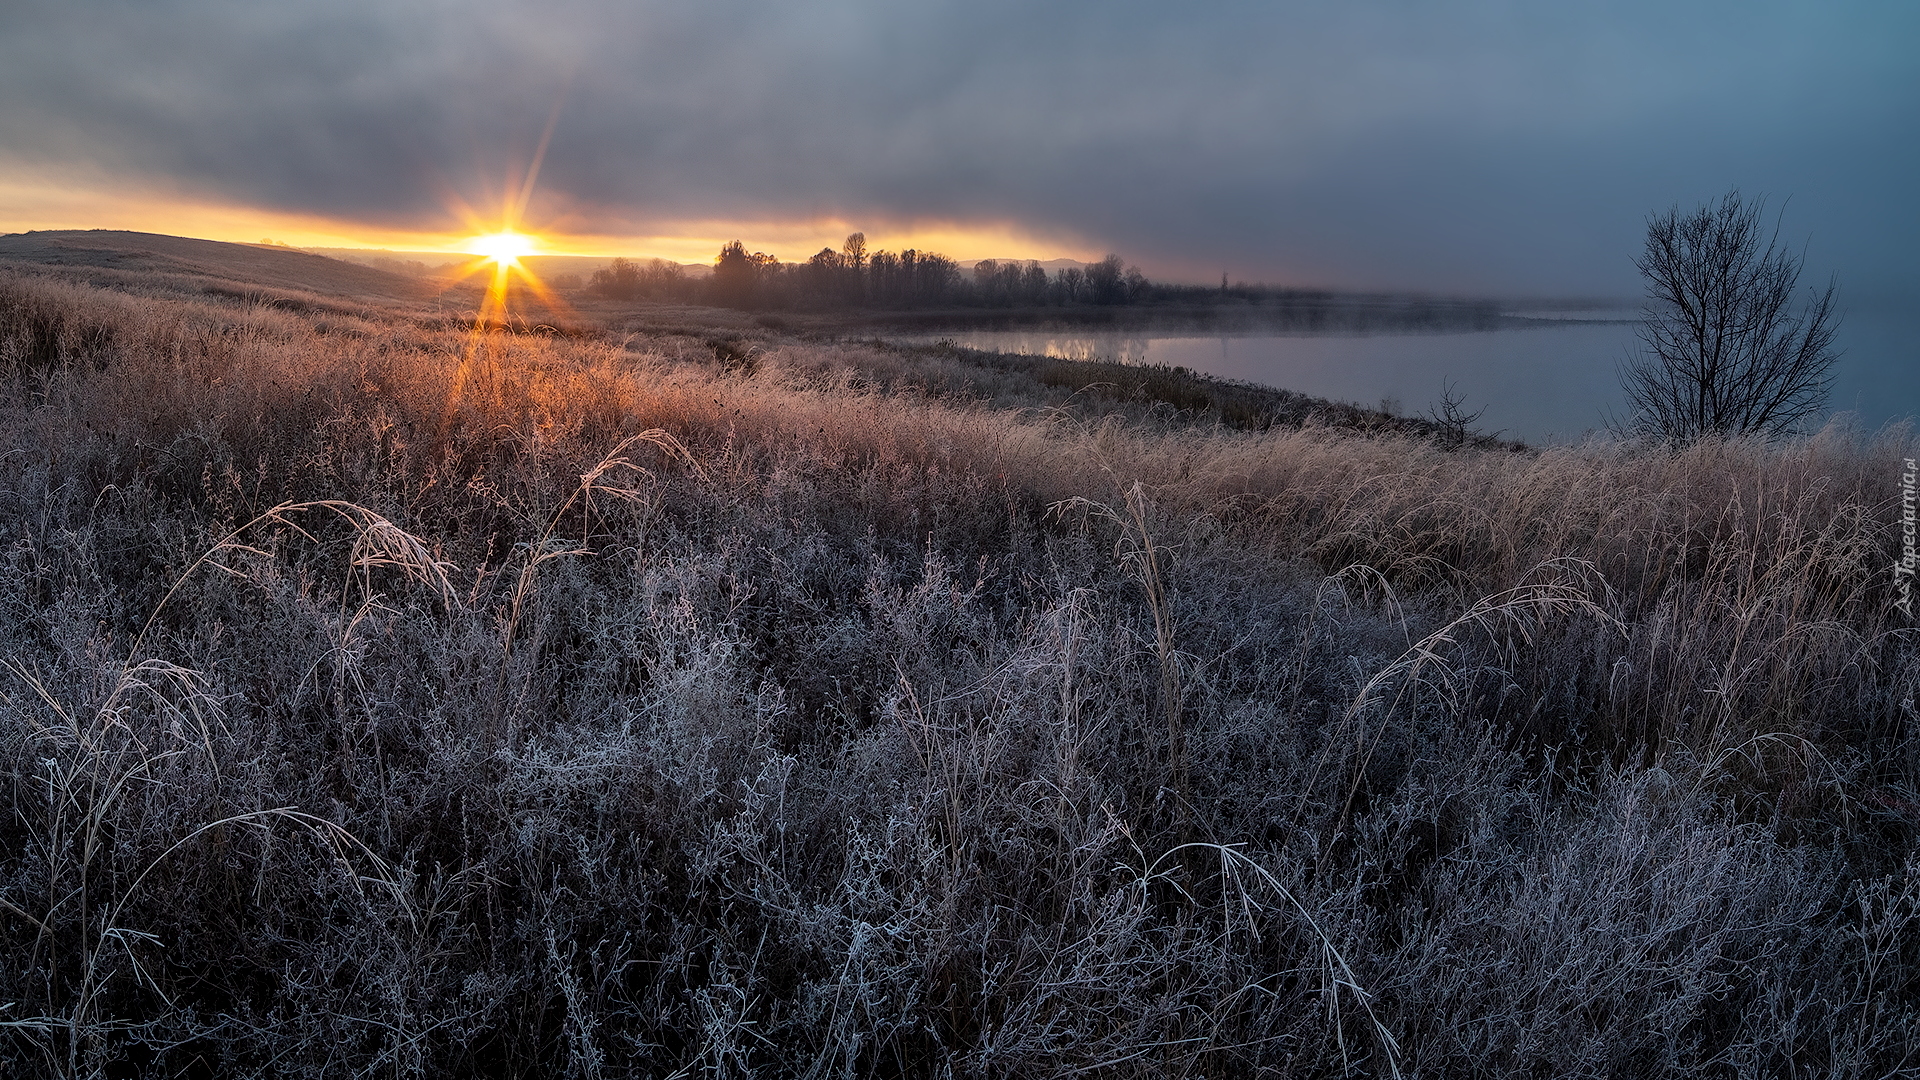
(1468, 146)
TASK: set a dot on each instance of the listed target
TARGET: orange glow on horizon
(796, 241)
(83, 203)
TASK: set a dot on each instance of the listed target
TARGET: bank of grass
(381, 699)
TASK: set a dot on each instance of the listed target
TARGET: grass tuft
(384, 695)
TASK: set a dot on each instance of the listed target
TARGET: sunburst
(500, 246)
(499, 254)
(504, 248)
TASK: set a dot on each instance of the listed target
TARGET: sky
(1468, 148)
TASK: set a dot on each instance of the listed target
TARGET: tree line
(854, 277)
(1726, 350)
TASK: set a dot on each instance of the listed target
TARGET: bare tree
(1106, 280)
(618, 280)
(1451, 416)
(855, 250)
(1725, 353)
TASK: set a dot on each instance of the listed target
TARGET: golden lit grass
(1779, 544)
(772, 711)
(1775, 547)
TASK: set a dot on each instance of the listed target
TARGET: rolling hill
(153, 262)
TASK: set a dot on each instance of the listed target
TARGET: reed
(617, 708)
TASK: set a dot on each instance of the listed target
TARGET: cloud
(1463, 147)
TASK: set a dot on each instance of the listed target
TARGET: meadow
(690, 697)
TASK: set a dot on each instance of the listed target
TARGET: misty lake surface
(1550, 380)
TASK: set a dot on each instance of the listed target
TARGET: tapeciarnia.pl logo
(1903, 570)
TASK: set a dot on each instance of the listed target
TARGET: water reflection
(1550, 380)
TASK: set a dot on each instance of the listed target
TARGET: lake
(1552, 379)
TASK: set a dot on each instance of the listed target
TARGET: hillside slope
(181, 264)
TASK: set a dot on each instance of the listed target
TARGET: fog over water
(1551, 381)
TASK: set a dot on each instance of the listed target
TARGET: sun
(505, 248)
(497, 259)
(497, 262)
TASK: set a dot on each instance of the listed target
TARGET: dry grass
(385, 700)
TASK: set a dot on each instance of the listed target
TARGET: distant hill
(1051, 266)
(181, 264)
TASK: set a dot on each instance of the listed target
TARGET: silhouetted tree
(1112, 281)
(1451, 416)
(1033, 284)
(931, 277)
(1073, 285)
(1725, 354)
(911, 278)
(883, 277)
(998, 284)
(618, 280)
(853, 265)
(625, 279)
(738, 277)
(987, 284)
(1106, 281)
(823, 279)
(1004, 284)
(733, 275)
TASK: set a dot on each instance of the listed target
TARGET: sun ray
(539, 157)
(499, 246)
